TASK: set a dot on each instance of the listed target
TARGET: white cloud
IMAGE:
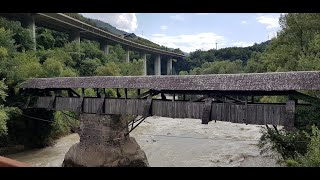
(164, 27)
(270, 21)
(189, 42)
(244, 22)
(124, 21)
(272, 35)
(242, 44)
(178, 17)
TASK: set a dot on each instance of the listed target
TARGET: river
(171, 142)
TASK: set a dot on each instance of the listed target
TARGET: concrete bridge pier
(144, 57)
(157, 65)
(105, 47)
(75, 36)
(29, 23)
(169, 66)
(103, 143)
(127, 55)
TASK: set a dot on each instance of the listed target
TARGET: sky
(193, 31)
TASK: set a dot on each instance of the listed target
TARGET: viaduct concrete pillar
(104, 143)
(30, 24)
(75, 36)
(157, 65)
(127, 55)
(169, 66)
(144, 57)
(104, 47)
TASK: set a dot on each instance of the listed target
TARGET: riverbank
(177, 142)
(12, 149)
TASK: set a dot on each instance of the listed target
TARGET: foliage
(21, 36)
(3, 114)
(312, 157)
(199, 57)
(3, 121)
(21, 67)
(109, 69)
(6, 42)
(134, 68)
(219, 67)
(3, 88)
(286, 143)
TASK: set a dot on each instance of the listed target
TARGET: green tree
(6, 42)
(89, 66)
(21, 36)
(3, 114)
(134, 68)
(109, 69)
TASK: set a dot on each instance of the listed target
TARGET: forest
(296, 48)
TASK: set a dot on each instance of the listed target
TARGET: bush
(286, 143)
(312, 156)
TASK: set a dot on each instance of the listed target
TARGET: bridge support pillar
(169, 66)
(30, 24)
(127, 55)
(290, 114)
(157, 65)
(75, 36)
(103, 143)
(104, 47)
(144, 57)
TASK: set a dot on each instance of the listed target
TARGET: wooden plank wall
(256, 113)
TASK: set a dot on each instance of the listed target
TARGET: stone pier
(157, 65)
(103, 144)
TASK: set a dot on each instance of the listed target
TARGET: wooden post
(147, 111)
(246, 112)
(98, 93)
(290, 114)
(252, 99)
(163, 97)
(126, 93)
(184, 97)
(139, 92)
(118, 93)
(206, 114)
(70, 93)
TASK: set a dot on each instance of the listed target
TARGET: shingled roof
(279, 81)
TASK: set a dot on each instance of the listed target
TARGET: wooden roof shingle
(275, 81)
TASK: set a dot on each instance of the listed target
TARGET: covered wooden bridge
(222, 97)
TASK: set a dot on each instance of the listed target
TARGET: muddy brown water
(176, 142)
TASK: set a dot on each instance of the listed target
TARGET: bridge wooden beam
(101, 105)
(147, 111)
(206, 114)
(305, 97)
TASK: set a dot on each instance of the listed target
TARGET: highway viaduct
(78, 30)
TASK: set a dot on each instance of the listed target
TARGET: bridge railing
(6, 162)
